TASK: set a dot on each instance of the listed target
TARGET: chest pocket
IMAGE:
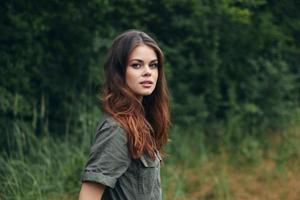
(149, 174)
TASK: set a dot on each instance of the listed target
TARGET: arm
(109, 158)
(91, 191)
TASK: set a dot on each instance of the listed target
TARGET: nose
(147, 71)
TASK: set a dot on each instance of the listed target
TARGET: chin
(146, 93)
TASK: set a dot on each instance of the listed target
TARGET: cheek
(130, 77)
(156, 74)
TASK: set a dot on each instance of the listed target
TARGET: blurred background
(234, 77)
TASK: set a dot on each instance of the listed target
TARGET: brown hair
(146, 122)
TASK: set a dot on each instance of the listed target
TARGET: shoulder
(109, 120)
(108, 127)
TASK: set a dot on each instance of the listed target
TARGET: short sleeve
(109, 156)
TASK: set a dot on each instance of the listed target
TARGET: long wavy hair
(146, 122)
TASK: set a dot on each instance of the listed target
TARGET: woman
(124, 161)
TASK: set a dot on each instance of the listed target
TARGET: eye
(154, 65)
(136, 65)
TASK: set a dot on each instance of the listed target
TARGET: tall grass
(50, 168)
(39, 168)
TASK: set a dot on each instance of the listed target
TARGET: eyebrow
(155, 60)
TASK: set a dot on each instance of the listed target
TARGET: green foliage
(47, 59)
(223, 59)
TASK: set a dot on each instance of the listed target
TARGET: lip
(146, 82)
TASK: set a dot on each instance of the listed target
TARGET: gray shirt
(110, 164)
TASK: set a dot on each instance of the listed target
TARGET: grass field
(50, 169)
(266, 174)
(220, 181)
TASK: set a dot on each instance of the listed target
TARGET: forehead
(142, 52)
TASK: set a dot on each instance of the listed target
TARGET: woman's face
(142, 70)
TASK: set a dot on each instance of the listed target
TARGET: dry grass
(274, 177)
(217, 180)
